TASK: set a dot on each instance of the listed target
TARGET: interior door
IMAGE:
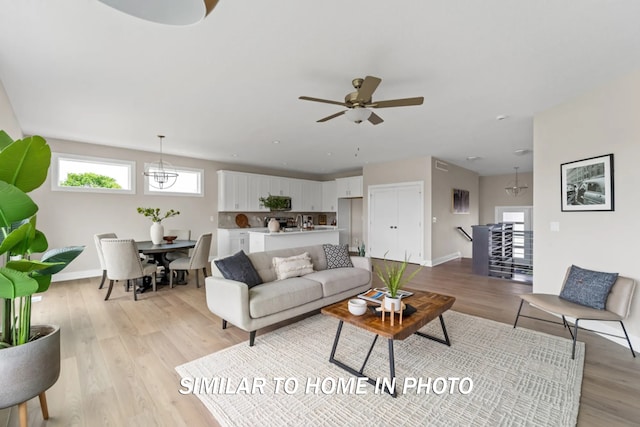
(383, 210)
(410, 223)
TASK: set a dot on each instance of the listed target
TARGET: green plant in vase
(23, 167)
(274, 203)
(392, 275)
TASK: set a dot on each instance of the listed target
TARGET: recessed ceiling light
(473, 158)
(234, 155)
(329, 153)
(276, 142)
(502, 117)
(521, 152)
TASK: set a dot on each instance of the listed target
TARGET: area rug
(492, 375)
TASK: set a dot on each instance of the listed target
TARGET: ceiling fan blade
(405, 102)
(375, 119)
(333, 116)
(326, 101)
(369, 85)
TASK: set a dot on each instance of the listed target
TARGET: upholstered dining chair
(616, 309)
(123, 263)
(198, 259)
(181, 235)
(97, 239)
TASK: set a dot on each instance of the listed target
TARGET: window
(71, 172)
(188, 183)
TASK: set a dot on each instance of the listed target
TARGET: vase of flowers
(157, 229)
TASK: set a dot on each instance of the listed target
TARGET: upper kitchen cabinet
(349, 187)
(258, 186)
(280, 186)
(232, 191)
(329, 196)
(311, 196)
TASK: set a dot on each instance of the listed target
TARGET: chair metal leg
(104, 278)
(566, 325)
(224, 324)
(252, 338)
(518, 315)
(628, 341)
(109, 290)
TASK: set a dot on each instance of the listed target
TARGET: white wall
(603, 121)
(8, 121)
(493, 194)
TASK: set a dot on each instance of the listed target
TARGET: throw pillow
(337, 256)
(587, 287)
(238, 267)
(293, 266)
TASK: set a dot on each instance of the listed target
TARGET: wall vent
(442, 166)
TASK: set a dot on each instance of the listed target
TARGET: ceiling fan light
(358, 114)
(170, 12)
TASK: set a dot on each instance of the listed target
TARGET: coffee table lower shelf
(392, 366)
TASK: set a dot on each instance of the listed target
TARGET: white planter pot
(157, 233)
(29, 369)
(392, 304)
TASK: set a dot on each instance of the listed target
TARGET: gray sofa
(276, 300)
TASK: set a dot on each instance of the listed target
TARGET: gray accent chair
(616, 309)
(123, 263)
(198, 260)
(97, 238)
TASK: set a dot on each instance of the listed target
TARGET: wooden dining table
(159, 252)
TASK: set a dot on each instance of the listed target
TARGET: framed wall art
(460, 200)
(587, 185)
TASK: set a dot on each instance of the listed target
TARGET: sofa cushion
(294, 266)
(262, 261)
(587, 287)
(337, 280)
(274, 297)
(337, 256)
(238, 267)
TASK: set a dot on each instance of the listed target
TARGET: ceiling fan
(359, 102)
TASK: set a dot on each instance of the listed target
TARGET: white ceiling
(226, 87)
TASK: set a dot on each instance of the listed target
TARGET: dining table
(158, 253)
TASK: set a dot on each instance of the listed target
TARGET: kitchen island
(260, 241)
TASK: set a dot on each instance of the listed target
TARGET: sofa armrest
(361, 262)
(229, 300)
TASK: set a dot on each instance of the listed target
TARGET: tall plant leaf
(15, 284)
(29, 265)
(15, 204)
(25, 163)
(62, 257)
(17, 241)
(5, 140)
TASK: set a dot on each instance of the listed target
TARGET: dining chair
(181, 235)
(198, 260)
(97, 238)
(123, 263)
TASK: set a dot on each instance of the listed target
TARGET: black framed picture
(460, 200)
(587, 185)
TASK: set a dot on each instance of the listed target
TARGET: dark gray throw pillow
(238, 267)
(588, 288)
(337, 256)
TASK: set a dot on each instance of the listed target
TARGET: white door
(395, 222)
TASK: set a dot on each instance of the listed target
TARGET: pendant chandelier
(515, 190)
(161, 174)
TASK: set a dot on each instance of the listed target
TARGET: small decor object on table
(157, 230)
(392, 277)
(170, 239)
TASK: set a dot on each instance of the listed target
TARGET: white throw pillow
(294, 266)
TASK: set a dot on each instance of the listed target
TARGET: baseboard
(74, 275)
(442, 259)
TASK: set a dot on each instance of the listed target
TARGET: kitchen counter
(260, 241)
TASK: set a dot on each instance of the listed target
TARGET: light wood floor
(118, 356)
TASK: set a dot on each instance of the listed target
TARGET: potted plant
(393, 278)
(29, 354)
(157, 230)
(274, 203)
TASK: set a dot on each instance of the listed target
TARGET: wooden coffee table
(428, 305)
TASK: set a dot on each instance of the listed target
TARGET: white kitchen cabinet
(296, 193)
(258, 186)
(232, 192)
(280, 186)
(349, 187)
(231, 241)
(329, 196)
(311, 196)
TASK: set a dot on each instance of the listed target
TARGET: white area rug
(519, 377)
